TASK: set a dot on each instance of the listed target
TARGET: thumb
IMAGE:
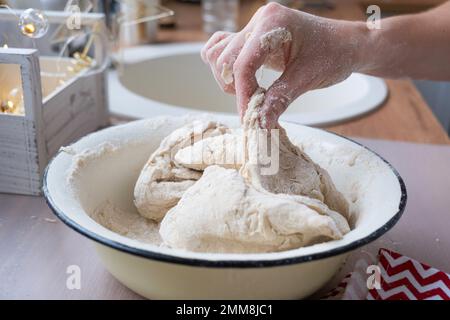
(278, 97)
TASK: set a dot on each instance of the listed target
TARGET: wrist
(355, 42)
(361, 42)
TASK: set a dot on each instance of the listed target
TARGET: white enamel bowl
(154, 272)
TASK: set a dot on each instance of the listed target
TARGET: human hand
(312, 53)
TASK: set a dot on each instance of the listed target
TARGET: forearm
(415, 46)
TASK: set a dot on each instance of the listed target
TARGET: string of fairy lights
(34, 24)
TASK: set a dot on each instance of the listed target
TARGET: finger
(251, 57)
(226, 59)
(212, 55)
(215, 38)
(280, 94)
(230, 53)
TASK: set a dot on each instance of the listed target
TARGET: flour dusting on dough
(245, 211)
(227, 73)
(274, 39)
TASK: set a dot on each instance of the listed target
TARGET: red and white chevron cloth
(403, 278)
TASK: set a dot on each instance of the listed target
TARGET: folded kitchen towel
(403, 278)
(392, 277)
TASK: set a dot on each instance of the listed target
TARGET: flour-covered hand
(312, 52)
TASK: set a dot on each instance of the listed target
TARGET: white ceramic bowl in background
(171, 79)
(156, 272)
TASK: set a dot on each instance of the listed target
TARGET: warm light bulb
(79, 62)
(28, 29)
(33, 23)
(13, 103)
(7, 106)
(5, 46)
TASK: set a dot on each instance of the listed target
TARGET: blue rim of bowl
(233, 263)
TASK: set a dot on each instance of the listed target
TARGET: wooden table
(36, 249)
(405, 116)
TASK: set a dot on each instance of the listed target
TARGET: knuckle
(219, 35)
(260, 10)
(272, 8)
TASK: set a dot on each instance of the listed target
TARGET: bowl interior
(116, 156)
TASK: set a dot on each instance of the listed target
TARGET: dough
(253, 209)
(227, 74)
(225, 150)
(296, 173)
(162, 182)
(222, 213)
(274, 39)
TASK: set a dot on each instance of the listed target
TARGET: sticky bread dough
(246, 211)
(241, 219)
(297, 174)
(162, 182)
(225, 150)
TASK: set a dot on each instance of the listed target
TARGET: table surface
(404, 116)
(36, 249)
